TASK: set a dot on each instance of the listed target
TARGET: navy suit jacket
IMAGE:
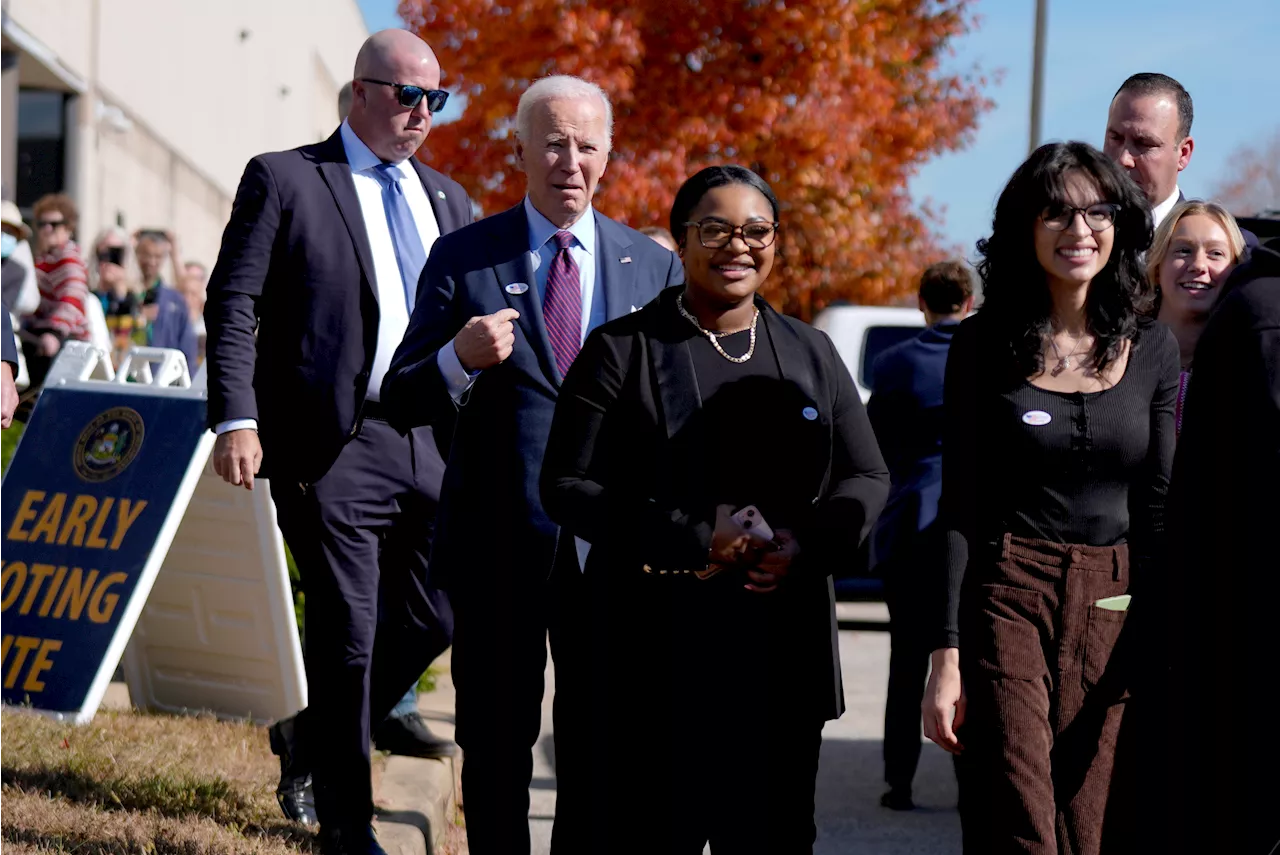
(906, 413)
(296, 266)
(490, 493)
(7, 344)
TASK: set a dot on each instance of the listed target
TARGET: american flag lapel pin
(626, 259)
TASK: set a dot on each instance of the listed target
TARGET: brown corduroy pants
(1045, 697)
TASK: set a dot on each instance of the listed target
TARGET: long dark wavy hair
(1016, 299)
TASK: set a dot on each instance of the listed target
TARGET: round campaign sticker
(1036, 418)
(517, 288)
(809, 413)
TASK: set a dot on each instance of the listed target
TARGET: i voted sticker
(809, 413)
(1036, 418)
(517, 288)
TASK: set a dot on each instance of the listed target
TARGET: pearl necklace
(714, 336)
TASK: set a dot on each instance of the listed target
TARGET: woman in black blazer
(712, 650)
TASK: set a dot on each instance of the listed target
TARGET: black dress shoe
(409, 736)
(349, 840)
(898, 799)
(294, 792)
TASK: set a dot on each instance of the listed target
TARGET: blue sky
(1224, 52)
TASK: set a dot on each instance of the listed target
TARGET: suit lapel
(617, 277)
(796, 367)
(673, 365)
(437, 197)
(517, 270)
(337, 174)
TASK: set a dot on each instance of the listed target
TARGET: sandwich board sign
(89, 509)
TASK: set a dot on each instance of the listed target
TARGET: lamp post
(1037, 72)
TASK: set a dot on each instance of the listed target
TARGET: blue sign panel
(85, 500)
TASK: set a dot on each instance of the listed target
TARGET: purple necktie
(562, 304)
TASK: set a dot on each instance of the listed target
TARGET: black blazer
(615, 476)
(7, 343)
(490, 492)
(1221, 583)
(295, 266)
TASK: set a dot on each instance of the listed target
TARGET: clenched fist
(487, 341)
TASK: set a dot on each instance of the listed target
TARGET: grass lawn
(130, 783)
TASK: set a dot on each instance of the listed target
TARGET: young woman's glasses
(1099, 217)
(411, 96)
(716, 234)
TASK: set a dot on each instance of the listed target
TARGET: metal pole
(1037, 72)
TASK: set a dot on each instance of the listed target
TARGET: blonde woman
(1194, 251)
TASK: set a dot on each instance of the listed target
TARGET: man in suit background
(321, 257)
(906, 413)
(504, 305)
(1149, 134)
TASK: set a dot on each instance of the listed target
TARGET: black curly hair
(1016, 299)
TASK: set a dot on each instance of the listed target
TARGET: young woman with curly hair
(1058, 443)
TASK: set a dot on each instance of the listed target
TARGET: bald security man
(321, 258)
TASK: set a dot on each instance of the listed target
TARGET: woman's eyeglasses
(49, 224)
(1099, 217)
(716, 234)
(411, 96)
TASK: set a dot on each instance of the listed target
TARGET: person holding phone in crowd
(683, 431)
(121, 303)
(167, 313)
(1057, 445)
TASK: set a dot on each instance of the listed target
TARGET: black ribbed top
(1086, 468)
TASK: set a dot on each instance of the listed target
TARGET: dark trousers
(695, 781)
(499, 658)
(1045, 697)
(906, 586)
(361, 533)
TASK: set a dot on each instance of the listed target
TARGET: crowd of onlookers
(121, 291)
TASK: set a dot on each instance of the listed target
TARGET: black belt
(374, 410)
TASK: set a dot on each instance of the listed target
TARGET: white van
(861, 333)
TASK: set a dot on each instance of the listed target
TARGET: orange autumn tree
(835, 102)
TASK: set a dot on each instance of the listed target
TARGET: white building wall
(191, 91)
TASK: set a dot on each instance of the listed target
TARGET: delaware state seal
(108, 444)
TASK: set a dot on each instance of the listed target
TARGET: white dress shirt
(541, 251)
(1159, 212)
(393, 311)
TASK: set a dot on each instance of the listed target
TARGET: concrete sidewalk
(417, 800)
(850, 778)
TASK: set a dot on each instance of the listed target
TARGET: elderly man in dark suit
(503, 308)
(321, 257)
(906, 412)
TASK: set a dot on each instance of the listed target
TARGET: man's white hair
(560, 86)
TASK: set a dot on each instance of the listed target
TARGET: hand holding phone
(753, 522)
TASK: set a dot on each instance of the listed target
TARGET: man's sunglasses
(411, 96)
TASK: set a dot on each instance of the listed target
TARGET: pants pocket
(1007, 630)
(1101, 638)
